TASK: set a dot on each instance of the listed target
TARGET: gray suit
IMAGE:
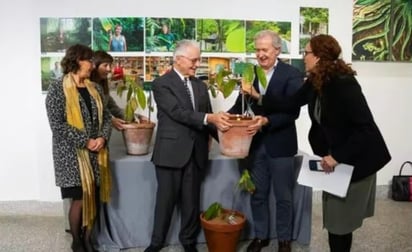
(180, 154)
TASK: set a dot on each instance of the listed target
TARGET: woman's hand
(95, 144)
(328, 164)
(118, 123)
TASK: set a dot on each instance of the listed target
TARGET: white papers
(336, 182)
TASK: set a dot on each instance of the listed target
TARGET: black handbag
(402, 185)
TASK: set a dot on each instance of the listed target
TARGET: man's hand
(220, 120)
(247, 88)
(259, 122)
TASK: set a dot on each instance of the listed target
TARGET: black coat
(347, 130)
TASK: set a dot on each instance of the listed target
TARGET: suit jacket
(181, 132)
(347, 130)
(279, 136)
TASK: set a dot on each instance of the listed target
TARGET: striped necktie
(188, 91)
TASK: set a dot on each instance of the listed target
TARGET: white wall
(26, 170)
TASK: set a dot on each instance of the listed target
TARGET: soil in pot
(222, 236)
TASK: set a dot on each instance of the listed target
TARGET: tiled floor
(35, 226)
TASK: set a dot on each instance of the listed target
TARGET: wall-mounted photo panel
(313, 21)
(282, 28)
(157, 66)
(163, 33)
(125, 66)
(218, 35)
(370, 30)
(118, 34)
(50, 71)
(57, 34)
(382, 30)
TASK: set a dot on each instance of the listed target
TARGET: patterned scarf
(75, 119)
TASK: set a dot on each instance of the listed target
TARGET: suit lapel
(195, 87)
(181, 90)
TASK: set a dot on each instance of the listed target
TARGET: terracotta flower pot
(220, 235)
(236, 141)
(137, 137)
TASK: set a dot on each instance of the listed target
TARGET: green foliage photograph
(58, 34)
(382, 30)
(132, 29)
(217, 35)
(282, 28)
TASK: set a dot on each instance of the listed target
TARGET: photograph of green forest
(282, 28)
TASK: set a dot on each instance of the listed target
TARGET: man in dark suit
(271, 155)
(180, 154)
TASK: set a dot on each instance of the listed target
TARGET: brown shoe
(256, 245)
(285, 246)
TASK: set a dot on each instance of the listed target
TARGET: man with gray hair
(180, 154)
(271, 155)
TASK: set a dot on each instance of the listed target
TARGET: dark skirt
(75, 192)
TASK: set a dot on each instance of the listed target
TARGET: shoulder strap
(405, 163)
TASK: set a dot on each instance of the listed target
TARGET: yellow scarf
(75, 119)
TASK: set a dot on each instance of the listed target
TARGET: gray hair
(276, 40)
(182, 45)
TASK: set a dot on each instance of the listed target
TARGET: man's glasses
(194, 61)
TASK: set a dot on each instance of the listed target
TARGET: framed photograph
(163, 33)
(50, 71)
(118, 34)
(57, 34)
(313, 21)
(218, 35)
(282, 28)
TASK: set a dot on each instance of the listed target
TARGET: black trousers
(177, 187)
(340, 243)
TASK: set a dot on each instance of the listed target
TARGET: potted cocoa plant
(138, 130)
(222, 226)
(236, 141)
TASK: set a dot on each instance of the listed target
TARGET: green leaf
(261, 76)
(245, 182)
(235, 41)
(229, 87)
(213, 211)
(248, 73)
(141, 97)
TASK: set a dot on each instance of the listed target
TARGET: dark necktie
(189, 93)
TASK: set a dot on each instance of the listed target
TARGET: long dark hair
(99, 58)
(328, 50)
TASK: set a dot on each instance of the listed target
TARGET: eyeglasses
(194, 61)
(306, 53)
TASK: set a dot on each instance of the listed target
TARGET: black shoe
(152, 248)
(190, 248)
(256, 245)
(77, 246)
(285, 246)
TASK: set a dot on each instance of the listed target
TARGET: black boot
(340, 243)
(77, 246)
